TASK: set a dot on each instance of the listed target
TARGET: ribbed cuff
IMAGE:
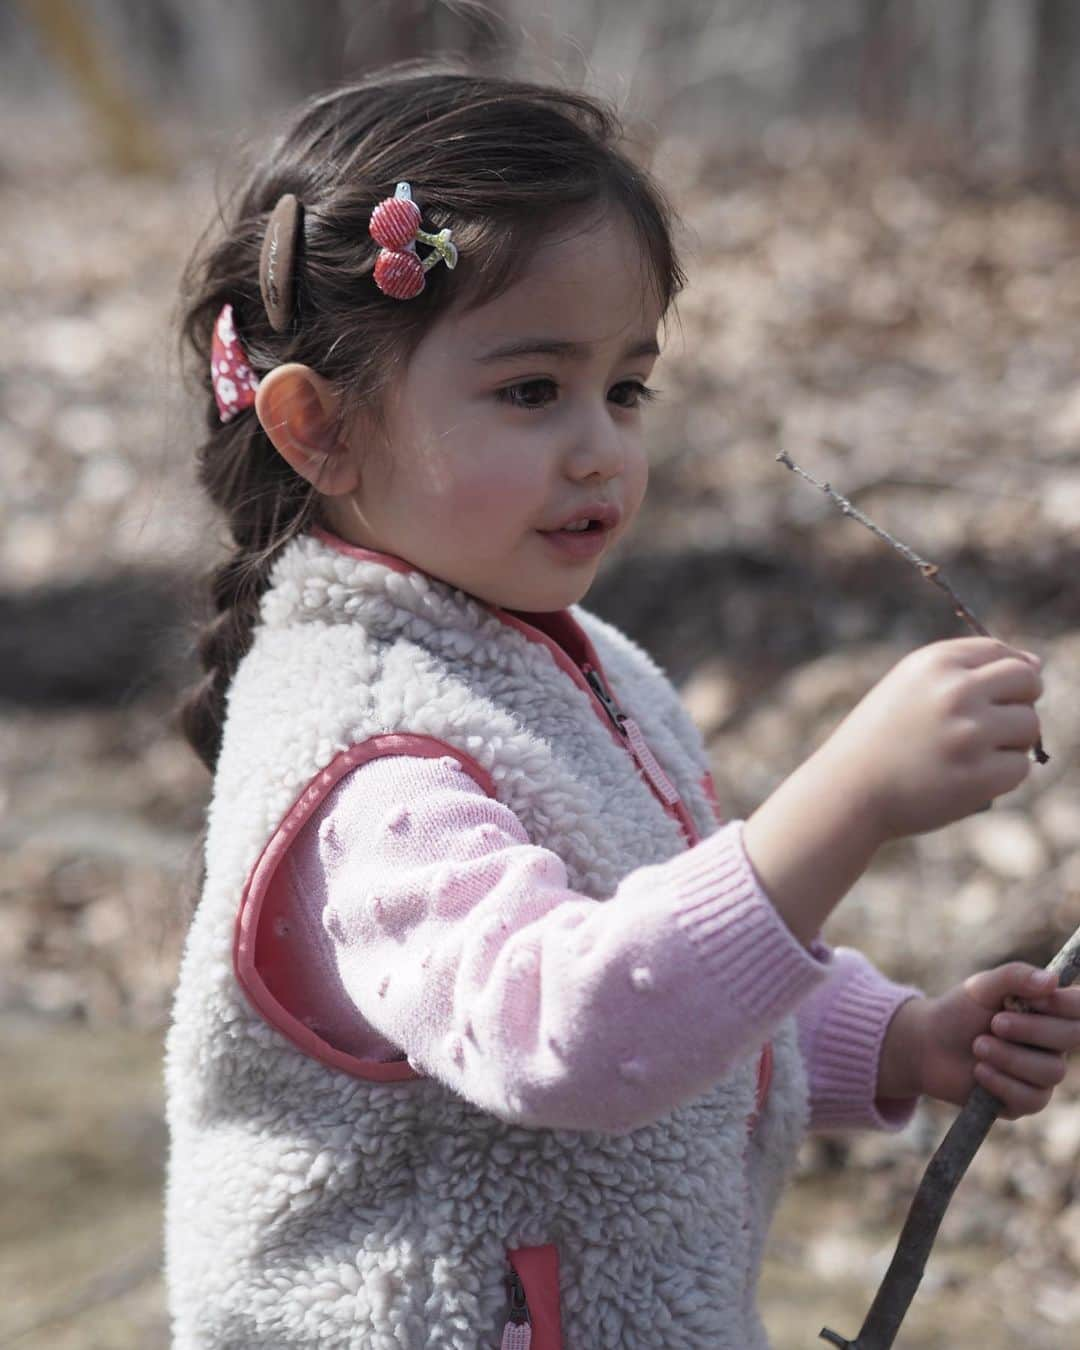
(736, 932)
(848, 1053)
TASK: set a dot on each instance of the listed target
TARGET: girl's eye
(636, 392)
(528, 394)
(539, 393)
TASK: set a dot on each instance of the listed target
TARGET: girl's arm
(463, 944)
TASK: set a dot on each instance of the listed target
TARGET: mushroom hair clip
(395, 227)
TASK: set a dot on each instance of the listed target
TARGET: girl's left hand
(967, 1037)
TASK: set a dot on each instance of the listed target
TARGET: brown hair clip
(277, 261)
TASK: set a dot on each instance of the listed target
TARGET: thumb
(989, 988)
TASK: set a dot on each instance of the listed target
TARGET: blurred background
(881, 225)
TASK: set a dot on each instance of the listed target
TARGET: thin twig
(941, 1178)
(929, 570)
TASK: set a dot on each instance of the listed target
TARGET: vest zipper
(517, 1333)
(643, 757)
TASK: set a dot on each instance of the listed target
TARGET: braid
(236, 466)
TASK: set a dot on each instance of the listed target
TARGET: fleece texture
(307, 1207)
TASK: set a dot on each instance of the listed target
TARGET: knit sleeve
(842, 1026)
(461, 942)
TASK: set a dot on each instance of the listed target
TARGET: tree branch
(941, 1178)
(929, 570)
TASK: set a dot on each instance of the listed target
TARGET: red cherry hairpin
(395, 227)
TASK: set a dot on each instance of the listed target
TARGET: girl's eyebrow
(561, 348)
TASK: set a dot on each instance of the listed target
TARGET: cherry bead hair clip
(395, 227)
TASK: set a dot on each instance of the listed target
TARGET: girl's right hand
(946, 731)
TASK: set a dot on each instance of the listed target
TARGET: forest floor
(906, 333)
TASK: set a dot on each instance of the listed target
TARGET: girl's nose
(598, 447)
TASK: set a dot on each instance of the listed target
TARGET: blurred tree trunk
(1053, 93)
(884, 71)
(68, 36)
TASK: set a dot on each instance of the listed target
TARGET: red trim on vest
(764, 1081)
(708, 786)
(261, 960)
(538, 1270)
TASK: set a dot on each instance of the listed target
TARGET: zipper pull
(517, 1333)
(610, 706)
(644, 757)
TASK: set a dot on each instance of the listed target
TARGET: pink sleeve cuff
(842, 1029)
(739, 935)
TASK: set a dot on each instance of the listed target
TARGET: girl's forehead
(581, 287)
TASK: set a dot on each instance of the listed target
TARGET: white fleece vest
(311, 1207)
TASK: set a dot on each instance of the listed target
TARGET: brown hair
(499, 161)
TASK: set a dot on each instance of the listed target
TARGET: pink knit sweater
(430, 916)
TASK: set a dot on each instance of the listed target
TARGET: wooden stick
(941, 1178)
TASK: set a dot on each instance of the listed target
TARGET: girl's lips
(576, 544)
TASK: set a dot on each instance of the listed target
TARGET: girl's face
(513, 419)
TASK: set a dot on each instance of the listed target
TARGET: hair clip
(395, 227)
(233, 379)
(277, 261)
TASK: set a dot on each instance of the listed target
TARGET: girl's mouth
(587, 543)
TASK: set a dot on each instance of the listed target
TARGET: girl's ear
(298, 410)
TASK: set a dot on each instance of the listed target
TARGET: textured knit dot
(397, 821)
(384, 985)
(641, 977)
(449, 762)
(523, 963)
(397, 910)
(632, 1070)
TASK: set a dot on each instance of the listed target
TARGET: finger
(1037, 1068)
(1012, 679)
(988, 988)
(1013, 726)
(1005, 771)
(980, 651)
(1017, 1099)
(1038, 1029)
(1061, 1003)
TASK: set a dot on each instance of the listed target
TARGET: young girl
(489, 1031)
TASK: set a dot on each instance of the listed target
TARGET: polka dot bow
(233, 379)
(395, 227)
